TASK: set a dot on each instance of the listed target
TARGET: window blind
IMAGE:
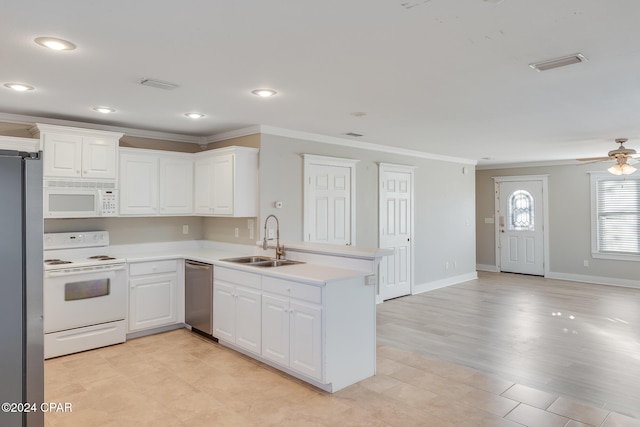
(618, 204)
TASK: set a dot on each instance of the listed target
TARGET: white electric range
(84, 293)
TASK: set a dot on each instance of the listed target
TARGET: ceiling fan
(621, 155)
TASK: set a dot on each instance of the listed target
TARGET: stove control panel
(84, 239)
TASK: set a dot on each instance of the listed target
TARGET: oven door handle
(84, 271)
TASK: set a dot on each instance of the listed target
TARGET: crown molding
(251, 130)
(18, 118)
(529, 164)
(271, 130)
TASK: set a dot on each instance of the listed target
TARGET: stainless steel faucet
(265, 245)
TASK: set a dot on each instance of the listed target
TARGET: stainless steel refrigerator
(21, 271)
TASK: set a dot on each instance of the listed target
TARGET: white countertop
(306, 272)
(360, 252)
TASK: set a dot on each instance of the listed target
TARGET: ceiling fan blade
(594, 159)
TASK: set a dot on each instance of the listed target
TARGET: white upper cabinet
(138, 183)
(176, 185)
(226, 182)
(155, 183)
(78, 153)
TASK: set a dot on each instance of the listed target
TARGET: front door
(520, 227)
(395, 230)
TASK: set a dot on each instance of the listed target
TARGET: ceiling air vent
(158, 84)
(353, 134)
(558, 62)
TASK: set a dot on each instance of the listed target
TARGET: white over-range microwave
(80, 199)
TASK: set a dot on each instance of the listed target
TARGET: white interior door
(329, 197)
(396, 212)
(521, 226)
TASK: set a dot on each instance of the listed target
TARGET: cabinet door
(223, 185)
(224, 311)
(138, 184)
(306, 339)
(248, 319)
(203, 180)
(152, 301)
(275, 329)
(176, 186)
(99, 157)
(62, 155)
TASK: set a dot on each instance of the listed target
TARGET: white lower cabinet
(324, 333)
(292, 334)
(153, 294)
(237, 308)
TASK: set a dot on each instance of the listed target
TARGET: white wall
(569, 225)
(444, 203)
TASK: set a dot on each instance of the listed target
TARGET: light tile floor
(181, 379)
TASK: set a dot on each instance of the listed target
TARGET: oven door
(71, 203)
(76, 298)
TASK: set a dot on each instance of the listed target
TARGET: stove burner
(56, 262)
(101, 257)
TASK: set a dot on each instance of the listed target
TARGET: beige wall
(158, 144)
(569, 223)
(124, 231)
(223, 230)
(241, 141)
(20, 130)
(444, 202)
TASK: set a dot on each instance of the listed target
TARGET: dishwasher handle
(197, 264)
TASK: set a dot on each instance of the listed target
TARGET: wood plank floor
(568, 338)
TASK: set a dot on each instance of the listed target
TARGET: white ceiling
(448, 77)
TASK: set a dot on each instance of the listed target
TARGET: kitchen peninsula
(314, 319)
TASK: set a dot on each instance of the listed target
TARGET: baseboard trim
(487, 267)
(443, 283)
(598, 280)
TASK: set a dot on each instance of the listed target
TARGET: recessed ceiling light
(55, 43)
(576, 58)
(104, 110)
(18, 87)
(194, 115)
(265, 93)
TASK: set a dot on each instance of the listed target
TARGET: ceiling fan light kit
(620, 155)
(622, 168)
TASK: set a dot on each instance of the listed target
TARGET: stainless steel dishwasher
(198, 279)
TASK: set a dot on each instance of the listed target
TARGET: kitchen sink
(248, 259)
(276, 263)
(261, 261)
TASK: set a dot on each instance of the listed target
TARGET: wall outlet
(251, 225)
(586, 263)
(185, 229)
(271, 234)
(446, 265)
(237, 232)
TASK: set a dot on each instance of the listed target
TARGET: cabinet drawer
(153, 267)
(237, 277)
(292, 289)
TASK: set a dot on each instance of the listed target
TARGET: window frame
(530, 211)
(595, 177)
